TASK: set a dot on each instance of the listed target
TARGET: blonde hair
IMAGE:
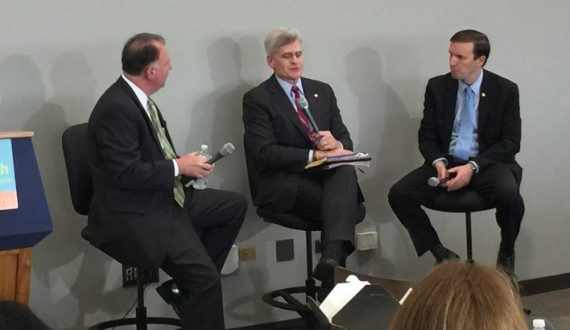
(458, 296)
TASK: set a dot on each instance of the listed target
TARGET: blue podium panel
(31, 221)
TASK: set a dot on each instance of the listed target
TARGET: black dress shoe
(441, 254)
(324, 271)
(324, 290)
(507, 265)
(169, 292)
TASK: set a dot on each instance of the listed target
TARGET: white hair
(280, 37)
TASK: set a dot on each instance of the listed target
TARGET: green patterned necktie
(167, 148)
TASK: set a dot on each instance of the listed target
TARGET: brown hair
(481, 44)
(139, 51)
(459, 296)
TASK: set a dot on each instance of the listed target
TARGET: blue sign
(8, 196)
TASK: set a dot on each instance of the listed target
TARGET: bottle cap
(204, 146)
(538, 323)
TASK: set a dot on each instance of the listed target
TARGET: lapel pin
(483, 95)
(316, 95)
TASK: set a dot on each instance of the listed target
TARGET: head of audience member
(284, 53)
(17, 316)
(468, 53)
(146, 61)
(464, 296)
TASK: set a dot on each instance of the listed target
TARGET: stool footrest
(292, 303)
(133, 321)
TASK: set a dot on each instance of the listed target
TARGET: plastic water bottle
(202, 183)
(538, 324)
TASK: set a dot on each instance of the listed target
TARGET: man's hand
(319, 154)
(441, 170)
(193, 165)
(326, 141)
(461, 176)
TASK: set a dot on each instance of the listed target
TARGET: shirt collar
(475, 86)
(287, 85)
(141, 96)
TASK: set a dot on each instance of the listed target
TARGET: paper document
(340, 295)
(354, 159)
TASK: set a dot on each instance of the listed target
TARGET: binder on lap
(354, 159)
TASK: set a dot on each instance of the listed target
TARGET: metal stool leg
(310, 281)
(468, 233)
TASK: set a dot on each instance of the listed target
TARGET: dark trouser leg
(406, 198)
(196, 276)
(201, 240)
(217, 216)
(331, 198)
(498, 185)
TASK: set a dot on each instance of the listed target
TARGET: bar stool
(275, 298)
(462, 201)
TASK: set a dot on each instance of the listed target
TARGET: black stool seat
(288, 220)
(462, 201)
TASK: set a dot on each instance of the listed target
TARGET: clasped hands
(459, 176)
(193, 165)
(328, 146)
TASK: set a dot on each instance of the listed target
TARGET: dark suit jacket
(499, 122)
(131, 212)
(276, 146)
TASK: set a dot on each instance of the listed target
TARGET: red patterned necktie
(300, 114)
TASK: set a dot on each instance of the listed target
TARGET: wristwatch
(473, 167)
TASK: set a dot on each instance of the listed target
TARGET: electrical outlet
(318, 246)
(367, 240)
(284, 250)
(247, 254)
(130, 276)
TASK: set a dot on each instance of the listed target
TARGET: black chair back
(74, 142)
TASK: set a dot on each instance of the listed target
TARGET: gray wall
(57, 57)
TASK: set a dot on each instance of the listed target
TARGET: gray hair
(280, 37)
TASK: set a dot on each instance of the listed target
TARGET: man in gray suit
(141, 214)
(282, 141)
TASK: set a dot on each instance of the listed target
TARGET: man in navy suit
(282, 143)
(482, 158)
(140, 214)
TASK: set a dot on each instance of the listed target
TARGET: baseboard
(544, 284)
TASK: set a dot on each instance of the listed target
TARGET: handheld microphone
(435, 182)
(304, 104)
(226, 149)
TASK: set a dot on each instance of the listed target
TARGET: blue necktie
(466, 125)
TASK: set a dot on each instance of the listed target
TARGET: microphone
(304, 104)
(434, 181)
(226, 149)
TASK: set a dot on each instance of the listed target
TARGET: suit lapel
(281, 99)
(450, 100)
(485, 100)
(123, 84)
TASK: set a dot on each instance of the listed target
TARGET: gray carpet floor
(553, 306)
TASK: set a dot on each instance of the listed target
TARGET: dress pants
(329, 197)
(202, 236)
(497, 184)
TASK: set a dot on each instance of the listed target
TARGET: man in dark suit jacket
(489, 166)
(280, 146)
(134, 216)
